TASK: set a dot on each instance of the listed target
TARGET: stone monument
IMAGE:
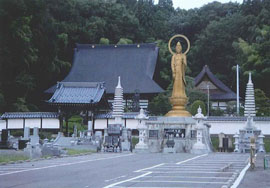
(242, 141)
(34, 139)
(250, 108)
(118, 107)
(124, 138)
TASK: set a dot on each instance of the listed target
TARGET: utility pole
(237, 89)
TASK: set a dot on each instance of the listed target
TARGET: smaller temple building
(219, 93)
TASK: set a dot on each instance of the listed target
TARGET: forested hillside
(37, 38)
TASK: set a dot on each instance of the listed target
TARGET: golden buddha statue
(178, 65)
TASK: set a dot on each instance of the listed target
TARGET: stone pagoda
(250, 108)
(242, 140)
(118, 107)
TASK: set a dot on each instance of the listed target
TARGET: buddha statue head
(178, 48)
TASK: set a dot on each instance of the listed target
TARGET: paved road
(257, 177)
(125, 170)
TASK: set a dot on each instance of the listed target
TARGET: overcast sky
(188, 4)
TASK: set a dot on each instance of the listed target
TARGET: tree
(195, 105)
(262, 103)
(124, 41)
(104, 41)
(255, 57)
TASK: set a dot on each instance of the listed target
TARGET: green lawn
(215, 143)
(9, 158)
(267, 144)
(77, 152)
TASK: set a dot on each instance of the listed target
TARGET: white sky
(188, 4)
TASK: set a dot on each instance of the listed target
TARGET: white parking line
(149, 167)
(194, 172)
(199, 177)
(191, 159)
(66, 164)
(199, 182)
(240, 177)
(189, 168)
(113, 179)
(128, 180)
(152, 187)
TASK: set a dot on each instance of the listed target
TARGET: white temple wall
(100, 123)
(264, 126)
(217, 127)
(2, 124)
(232, 127)
(15, 123)
(50, 123)
(32, 123)
(132, 123)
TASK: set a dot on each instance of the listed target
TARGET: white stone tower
(250, 99)
(118, 107)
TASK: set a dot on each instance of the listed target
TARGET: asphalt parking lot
(126, 170)
(211, 171)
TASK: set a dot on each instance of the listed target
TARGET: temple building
(219, 93)
(134, 63)
(89, 86)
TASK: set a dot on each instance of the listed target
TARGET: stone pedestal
(199, 147)
(179, 129)
(142, 145)
(169, 150)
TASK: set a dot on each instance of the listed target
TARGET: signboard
(153, 133)
(176, 133)
(114, 129)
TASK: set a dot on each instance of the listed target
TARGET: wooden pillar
(41, 124)
(66, 119)
(87, 118)
(60, 119)
(93, 122)
(23, 123)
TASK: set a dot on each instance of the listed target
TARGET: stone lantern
(199, 147)
(142, 145)
(236, 142)
(261, 144)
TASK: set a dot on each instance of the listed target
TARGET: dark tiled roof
(104, 63)
(78, 93)
(227, 93)
(126, 115)
(238, 118)
(29, 115)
